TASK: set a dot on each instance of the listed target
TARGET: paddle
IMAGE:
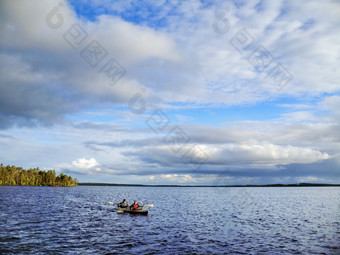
(148, 205)
(111, 203)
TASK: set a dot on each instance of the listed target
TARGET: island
(12, 175)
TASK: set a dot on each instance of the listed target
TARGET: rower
(123, 204)
(135, 206)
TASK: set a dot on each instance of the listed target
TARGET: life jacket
(135, 206)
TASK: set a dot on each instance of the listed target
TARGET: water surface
(77, 220)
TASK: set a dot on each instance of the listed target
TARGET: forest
(12, 175)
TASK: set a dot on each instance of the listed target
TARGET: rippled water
(299, 220)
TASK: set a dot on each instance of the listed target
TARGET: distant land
(214, 186)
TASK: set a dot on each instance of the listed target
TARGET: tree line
(12, 175)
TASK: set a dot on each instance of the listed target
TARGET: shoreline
(213, 186)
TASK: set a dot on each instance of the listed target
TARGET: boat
(127, 210)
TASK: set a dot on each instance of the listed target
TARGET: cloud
(183, 61)
(268, 153)
(85, 163)
(151, 43)
(311, 179)
(173, 178)
(6, 136)
(230, 155)
(39, 65)
(331, 104)
(52, 102)
(128, 160)
(89, 167)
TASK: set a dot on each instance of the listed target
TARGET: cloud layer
(186, 61)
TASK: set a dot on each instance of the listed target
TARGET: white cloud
(84, 163)
(311, 179)
(296, 106)
(232, 80)
(234, 154)
(174, 178)
(266, 153)
(130, 43)
(331, 104)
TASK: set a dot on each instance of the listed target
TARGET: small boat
(127, 210)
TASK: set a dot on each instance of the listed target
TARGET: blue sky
(172, 92)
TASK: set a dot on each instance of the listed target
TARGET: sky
(172, 92)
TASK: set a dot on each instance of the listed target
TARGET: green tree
(12, 175)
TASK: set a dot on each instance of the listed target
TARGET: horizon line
(212, 186)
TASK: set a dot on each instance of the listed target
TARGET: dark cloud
(32, 104)
(329, 168)
(101, 126)
(32, 94)
(72, 172)
(42, 81)
(6, 136)
(116, 143)
(325, 171)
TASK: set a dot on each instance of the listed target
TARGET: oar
(111, 203)
(148, 205)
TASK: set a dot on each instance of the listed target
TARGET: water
(77, 220)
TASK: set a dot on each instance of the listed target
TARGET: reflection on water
(184, 220)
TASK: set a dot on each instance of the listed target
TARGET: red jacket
(135, 206)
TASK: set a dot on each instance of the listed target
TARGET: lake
(184, 220)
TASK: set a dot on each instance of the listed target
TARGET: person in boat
(123, 204)
(135, 206)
